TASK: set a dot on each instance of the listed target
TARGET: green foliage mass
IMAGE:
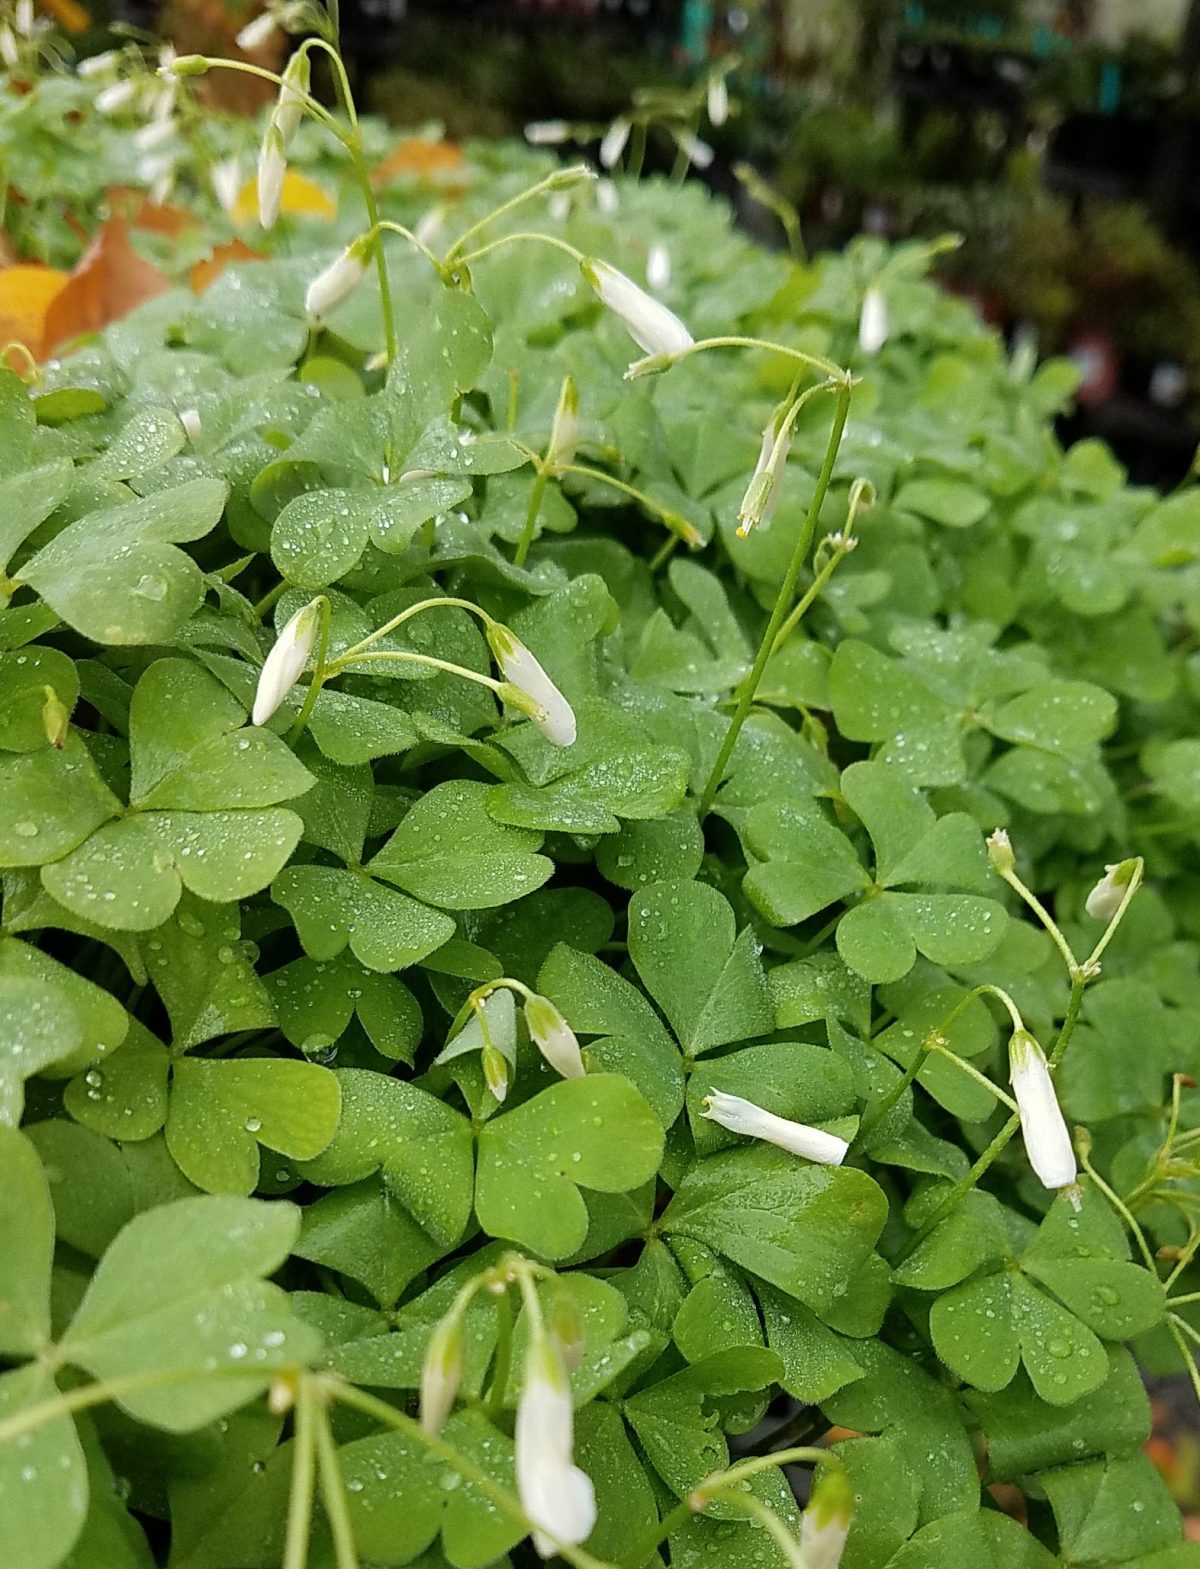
(232, 1145)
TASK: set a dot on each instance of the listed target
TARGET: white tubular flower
(272, 166)
(111, 100)
(743, 1116)
(10, 50)
(718, 99)
(257, 32)
(554, 1037)
(1105, 898)
(564, 433)
(24, 19)
(695, 150)
(873, 322)
(555, 717)
(1047, 1142)
(293, 91)
(547, 133)
(98, 65)
(654, 328)
(616, 139)
(825, 1523)
(762, 493)
(658, 268)
(337, 283)
(556, 1495)
(154, 135)
(226, 177)
(442, 1371)
(284, 665)
(190, 420)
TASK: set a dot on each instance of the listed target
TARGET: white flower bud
(556, 1495)
(442, 1371)
(1047, 1142)
(615, 140)
(156, 134)
(98, 65)
(1105, 898)
(556, 718)
(111, 100)
(495, 1071)
(554, 1037)
(608, 198)
(654, 328)
(226, 177)
(10, 50)
(1000, 852)
(272, 166)
(873, 322)
(158, 173)
(695, 150)
(257, 32)
(284, 665)
(718, 99)
(24, 19)
(190, 420)
(293, 91)
(762, 493)
(564, 433)
(546, 133)
(825, 1524)
(337, 283)
(743, 1116)
(658, 268)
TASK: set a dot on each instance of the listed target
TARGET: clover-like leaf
(27, 1224)
(596, 1132)
(333, 907)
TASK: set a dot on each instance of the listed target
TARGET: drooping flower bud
(495, 1070)
(10, 50)
(654, 328)
(24, 18)
(1105, 898)
(566, 1325)
(191, 422)
(442, 1371)
(257, 32)
(546, 133)
(293, 92)
(1000, 852)
(658, 268)
(743, 1116)
(156, 134)
(556, 1495)
(285, 663)
(337, 283)
(873, 322)
(556, 717)
(694, 149)
(272, 166)
(762, 493)
(96, 65)
(111, 100)
(564, 433)
(718, 99)
(1047, 1142)
(615, 140)
(226, 178)
(554, 1037)
(825, 1523)
(56, 719)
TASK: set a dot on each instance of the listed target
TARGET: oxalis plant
(594, 939)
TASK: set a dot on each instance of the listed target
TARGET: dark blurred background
(1061, 138)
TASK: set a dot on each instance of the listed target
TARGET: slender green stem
(502, 1367)
(735, 341)
(1043, 915)
(1190, 1296)
(1123, 1210)
(505, 1502)
(387, 226)
(522, 236)
(300, 1495)
(1185, 1351)
(808, 598)
(408, 657)
(657, 1533)
(87, 1395)
(531, 517)
(333, 1493)
(311, 107)
(637, 150)
(551, 182)
(980, 1078)
(440, 602)
(321, 674)
(1188, 1254)
(783, 601)
(679, 525)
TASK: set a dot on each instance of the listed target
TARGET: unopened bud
(566, 1325)
(1108, 895)
(442, 1371)
(185, 65)
(495, 1071)
(56, 720)
(1000, 852)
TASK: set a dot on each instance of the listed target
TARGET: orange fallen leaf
(301, 198)
(429, 163)
(70, 16)
(26, 295)
(141, 213)
(210, 269)
(109, 281)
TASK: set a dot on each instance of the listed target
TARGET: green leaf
(625, 1503)
(126, 1098)
(886, 1499)
(973, 1330)
(116, 577)
(350, 729)
(50, 801)
(43, 1477)
(807, 863)
(319, 535)
(363, 1232)
(1111, 1511)
(640, 783)
(534, 1159)
(150, 438)
(951, 502)
(179, 1294)
(222, 1111)
(707, 979)
(423, 1149)
(1063, 716)
(881, 938)
(90, 1184)
(204, 975)
(316, 999)
(804, 1228)
(27, 1225)
(450, 852)
(28, 498)
(24, 677)
(385, 930)
(984, 1538)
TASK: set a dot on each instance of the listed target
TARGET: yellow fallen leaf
(26, 294)
(302, 198)
(72, 18)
